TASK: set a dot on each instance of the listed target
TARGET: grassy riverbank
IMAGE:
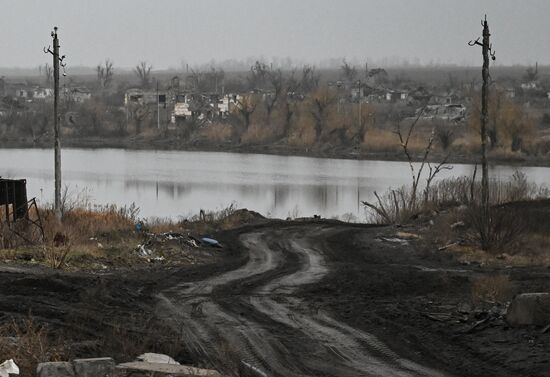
(384, 146)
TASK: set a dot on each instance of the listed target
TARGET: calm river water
(176, 183)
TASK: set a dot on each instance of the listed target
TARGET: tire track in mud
(254, 311)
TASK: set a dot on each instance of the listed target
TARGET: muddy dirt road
(254, 314)
(309, 298)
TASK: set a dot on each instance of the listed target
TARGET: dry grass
(91, 239)
(303, 136)
(259, 134)
(79, 224)
(56, 257)
(382, 141)
(29, 344)
(71, 243)
(535, 252)
(106, 238)
(492, 289)
(386, 141)
(217, 132)
(136, 335)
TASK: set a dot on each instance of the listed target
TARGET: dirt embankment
(295, 298)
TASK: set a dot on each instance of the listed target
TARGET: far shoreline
(273, 149)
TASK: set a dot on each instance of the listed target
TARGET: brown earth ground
(422, 304)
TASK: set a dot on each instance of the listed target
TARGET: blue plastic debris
(210, 242)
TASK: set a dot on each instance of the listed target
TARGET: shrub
(397, 206)
(29, 344)
(445, 136)
(501, 229)
(492, 289)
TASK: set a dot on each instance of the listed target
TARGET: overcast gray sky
(167, 32)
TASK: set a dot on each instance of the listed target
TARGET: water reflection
(173, 184)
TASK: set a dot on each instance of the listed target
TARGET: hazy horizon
(170, 34)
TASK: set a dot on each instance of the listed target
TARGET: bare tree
(416, 175)
(406, 203)
(320, 104)
(532, 74)
(139, 113)
(214, 79)
(378, 75)
(348, 71)
(364, 115)
(246, 107)
(195, 80)
(143, 72)
(105, 73)
(11, 115)
(310, 79)
(47, 71)
(445, 135)
(210, 81)
(276, 81)
(258, 75)
(290, 106)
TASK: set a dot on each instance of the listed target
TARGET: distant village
(138, 102)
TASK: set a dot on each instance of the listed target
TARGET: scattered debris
(458, 224)
(143, 251)
(439, 317)
(476, 325)
(407, 236)
(207, 241)
(442, 248)
(139, 226)
(165, 369)
(464, 308)
(396, 240)
(156, 358)
(8, 367)
(254, 369)
(192, 242)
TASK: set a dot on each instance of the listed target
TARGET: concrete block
(160, 369)
(99, 367)
(529, 309)
(55, 369)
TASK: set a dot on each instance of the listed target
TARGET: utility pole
(57, 62)
(487, 52)
(158, 107)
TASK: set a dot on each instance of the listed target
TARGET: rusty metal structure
(19, 217)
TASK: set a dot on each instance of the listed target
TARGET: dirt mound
(241, 217)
